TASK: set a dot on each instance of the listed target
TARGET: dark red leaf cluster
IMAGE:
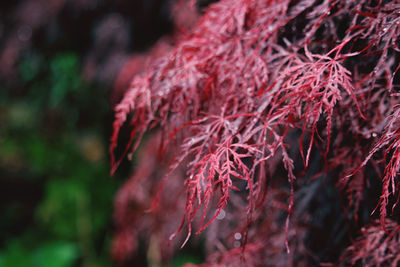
(254, 105)
(375, 247)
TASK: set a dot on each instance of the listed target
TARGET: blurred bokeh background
(60, 76)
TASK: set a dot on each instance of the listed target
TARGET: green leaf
(15, 256)
(57, 254)
(65, 77)
(59, 208)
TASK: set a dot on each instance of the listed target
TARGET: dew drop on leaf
(238, 236)
(221, 215)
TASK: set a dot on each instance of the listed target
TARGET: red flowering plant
(260, 122)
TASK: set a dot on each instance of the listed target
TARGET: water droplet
(238, 236)
(24, 33)
(374, 134)
(191, 142)
(221, 215)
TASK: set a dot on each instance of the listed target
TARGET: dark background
(59, 63)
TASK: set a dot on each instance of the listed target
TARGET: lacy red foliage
(254, 105)
(135, 201)
(375, 247)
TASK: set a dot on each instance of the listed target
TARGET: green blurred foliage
(50, 254)
(53, 144)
